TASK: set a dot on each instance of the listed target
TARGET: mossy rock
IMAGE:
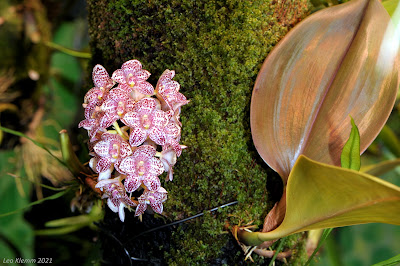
(216, 49)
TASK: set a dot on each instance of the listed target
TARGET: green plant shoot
(350, 157)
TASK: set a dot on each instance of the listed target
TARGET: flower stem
(68, 51)
(119, 131)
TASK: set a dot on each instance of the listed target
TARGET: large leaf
(323, 196)
(328, 67)
(390, 6)
(16, 234)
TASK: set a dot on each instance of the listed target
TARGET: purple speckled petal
(137, 136)
(100, 76)
(140, 209)
(132, 183)
(157, 135)
(119, 76)
(152, 182)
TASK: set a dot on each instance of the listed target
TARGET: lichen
(216, 49)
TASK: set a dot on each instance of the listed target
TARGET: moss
(297, 244)
(216, 49)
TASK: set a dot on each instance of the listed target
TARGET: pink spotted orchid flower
(117, 199)
(134, 137)
(98, 94)
(142, 167)
(168, 158)
(116, 106)
(133, 78)
(173, 135)
(92, 125)
(110, 150)
(153, 198)
(168, 92)
(146, 121)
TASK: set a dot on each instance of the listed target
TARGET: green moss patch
(216, 49)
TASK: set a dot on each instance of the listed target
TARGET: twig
(183, 220)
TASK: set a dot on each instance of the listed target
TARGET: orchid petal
(157, 135)
(91, 95)
(142, 74)
(156, 166)
(173, 130)
(89, 110)
(166, 75)
(145, 105)
(104, 183)
(112, 204)
(118, 94)
(168, 159)
(127, 165)
(93, 163)
(102, 148)
(137, 136)
(152, 182)
(109, 106)
(132, 183)
(106, 174)
(157, 207)
(140, 209)
(100, 76)
(87, 124)
(111, 137)
(163, 192)
(119, 76)
(144, 88)
(159, 119)
(103, 164)
(175, 146)
(131, 119)
(146, 151)
(107, 120)
(131, 66)
(125, 149)
(121, 212)
(136, 95)
(129, 105)
(172, 87)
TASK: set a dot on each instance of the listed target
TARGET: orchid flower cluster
(133, 136)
